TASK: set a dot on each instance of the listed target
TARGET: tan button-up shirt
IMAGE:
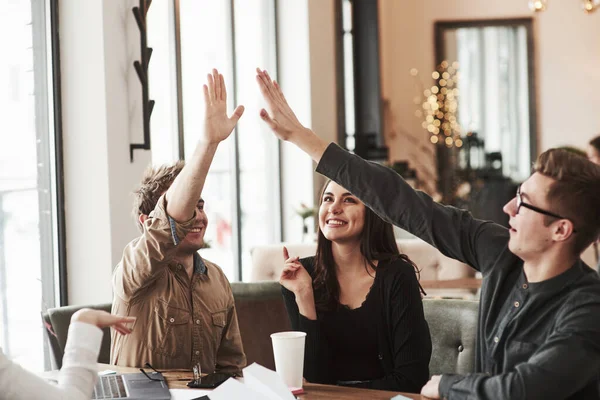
(180, 321)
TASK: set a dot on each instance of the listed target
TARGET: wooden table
(177, 379)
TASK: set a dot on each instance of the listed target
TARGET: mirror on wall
(495, 112)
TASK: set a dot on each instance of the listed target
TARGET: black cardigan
(404, 341)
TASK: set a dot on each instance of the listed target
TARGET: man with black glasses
(539, 314)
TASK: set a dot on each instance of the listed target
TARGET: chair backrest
(52, 340)
(60, 319)
(452, 323)
(267, 263)
(453, 328)
(260, 311)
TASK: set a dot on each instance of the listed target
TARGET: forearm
(306, 304)
(76, 379)
(310, 143)
(19, 384)
(526, 381)
(184, 193)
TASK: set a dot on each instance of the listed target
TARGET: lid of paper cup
(288, 335)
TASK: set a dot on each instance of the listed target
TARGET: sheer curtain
(494, 96)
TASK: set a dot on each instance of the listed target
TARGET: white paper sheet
(232, 389)
(267, 382)
(187, 394)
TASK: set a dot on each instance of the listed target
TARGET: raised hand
(218, 126)
(294, 277)
(282, 120)
(102, 319)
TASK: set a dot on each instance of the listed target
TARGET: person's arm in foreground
(80, 369)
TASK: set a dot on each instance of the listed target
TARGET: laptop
(132, 387)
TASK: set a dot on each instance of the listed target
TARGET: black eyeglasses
(521, 203)
(147, 365)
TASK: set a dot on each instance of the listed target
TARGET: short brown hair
(155, 182)
(575, 193)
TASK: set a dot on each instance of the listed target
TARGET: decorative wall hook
(141, 68)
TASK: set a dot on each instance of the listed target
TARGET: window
(235, 37)
(348, 73)
(28, 219)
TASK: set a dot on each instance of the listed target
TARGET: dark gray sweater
(535, 340)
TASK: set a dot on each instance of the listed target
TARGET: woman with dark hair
(358, 300)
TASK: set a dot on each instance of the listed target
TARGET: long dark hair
(377, 242)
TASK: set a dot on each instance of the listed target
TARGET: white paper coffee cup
(288, 350)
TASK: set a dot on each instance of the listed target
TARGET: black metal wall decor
(141, 67)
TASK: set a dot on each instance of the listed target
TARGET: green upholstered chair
(59, 319)
(453, 327)
(260, 311)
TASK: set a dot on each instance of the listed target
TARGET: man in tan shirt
(184, 305)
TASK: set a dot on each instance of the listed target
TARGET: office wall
(567, 44)
(99, 42)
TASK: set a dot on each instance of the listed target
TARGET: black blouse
(384, 344)
(352, 334)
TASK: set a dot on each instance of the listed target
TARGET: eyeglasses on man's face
(521, 203)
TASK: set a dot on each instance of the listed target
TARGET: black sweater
(404, 342)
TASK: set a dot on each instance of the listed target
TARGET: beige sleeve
(145, 259)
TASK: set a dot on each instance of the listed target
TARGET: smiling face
(194, 240)
(341, 215)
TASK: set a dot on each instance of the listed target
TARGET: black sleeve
(410, 338)
(316, 350)
(566, 362)
(452, 231)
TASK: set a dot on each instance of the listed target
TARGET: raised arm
(183, 195)
(283, 121)
(296, 287)
(454, 232)
(144, 260)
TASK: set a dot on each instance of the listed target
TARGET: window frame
(237, 247)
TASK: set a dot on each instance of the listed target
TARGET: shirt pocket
(171, 328)
(219, 321)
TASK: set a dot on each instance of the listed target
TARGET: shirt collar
(559, 282)
(199, 265)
